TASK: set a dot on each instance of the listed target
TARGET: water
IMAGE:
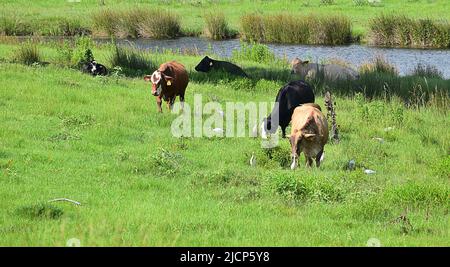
(404, 59)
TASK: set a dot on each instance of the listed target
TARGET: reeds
(288, 28)
(216, 26)
(134, 23)
(399, 30)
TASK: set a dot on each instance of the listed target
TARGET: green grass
(43, 13)
(100, 141)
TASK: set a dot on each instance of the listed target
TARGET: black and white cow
(288, 98)
(95, 68)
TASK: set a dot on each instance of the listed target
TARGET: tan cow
(330, 72)
(169, 81)
(309, 134)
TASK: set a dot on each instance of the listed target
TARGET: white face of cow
(156, 81)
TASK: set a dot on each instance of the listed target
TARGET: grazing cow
(95, 68)
(309, 134)
(330, 72)
(288, 98)
(169, 81)
(208, 64)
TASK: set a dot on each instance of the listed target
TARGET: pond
(404, 59)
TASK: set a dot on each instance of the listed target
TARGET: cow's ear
(305, 62)
(147, 78)
(168, 79)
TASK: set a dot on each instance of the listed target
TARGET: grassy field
(100, 141)
(47, 12)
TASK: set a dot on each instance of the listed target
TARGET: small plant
(217, 26)
(27, 54)
(167, 162)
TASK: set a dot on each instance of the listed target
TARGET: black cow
(95, 68)
(288, 98)
(208, 64)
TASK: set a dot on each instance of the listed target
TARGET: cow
(207, 64)
(94, 68)
(169, 81)
(330, 72)
(288, 98)
(309, 134)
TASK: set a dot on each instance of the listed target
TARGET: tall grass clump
(134, 23)
(106, 21)
(27, 54)
(132, 62)
(12, 24)
(427, 71)
(379, 64)
(217, 26)
(288, 28)
(399, 30)
(160, 24)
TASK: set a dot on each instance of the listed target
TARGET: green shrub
(27, 54)
(217, 26)
(82, 53)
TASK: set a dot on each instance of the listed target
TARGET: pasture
(101, 142)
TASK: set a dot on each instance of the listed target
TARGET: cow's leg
(319, 155)
(283, 131)
(158, 103)
(309, 161)
(170, 103)
(182, 102)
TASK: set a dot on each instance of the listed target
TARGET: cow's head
(299, 66)
(159, 80)
(205, 65)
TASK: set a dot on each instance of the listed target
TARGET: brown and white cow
(169, 81)
(309, 134)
